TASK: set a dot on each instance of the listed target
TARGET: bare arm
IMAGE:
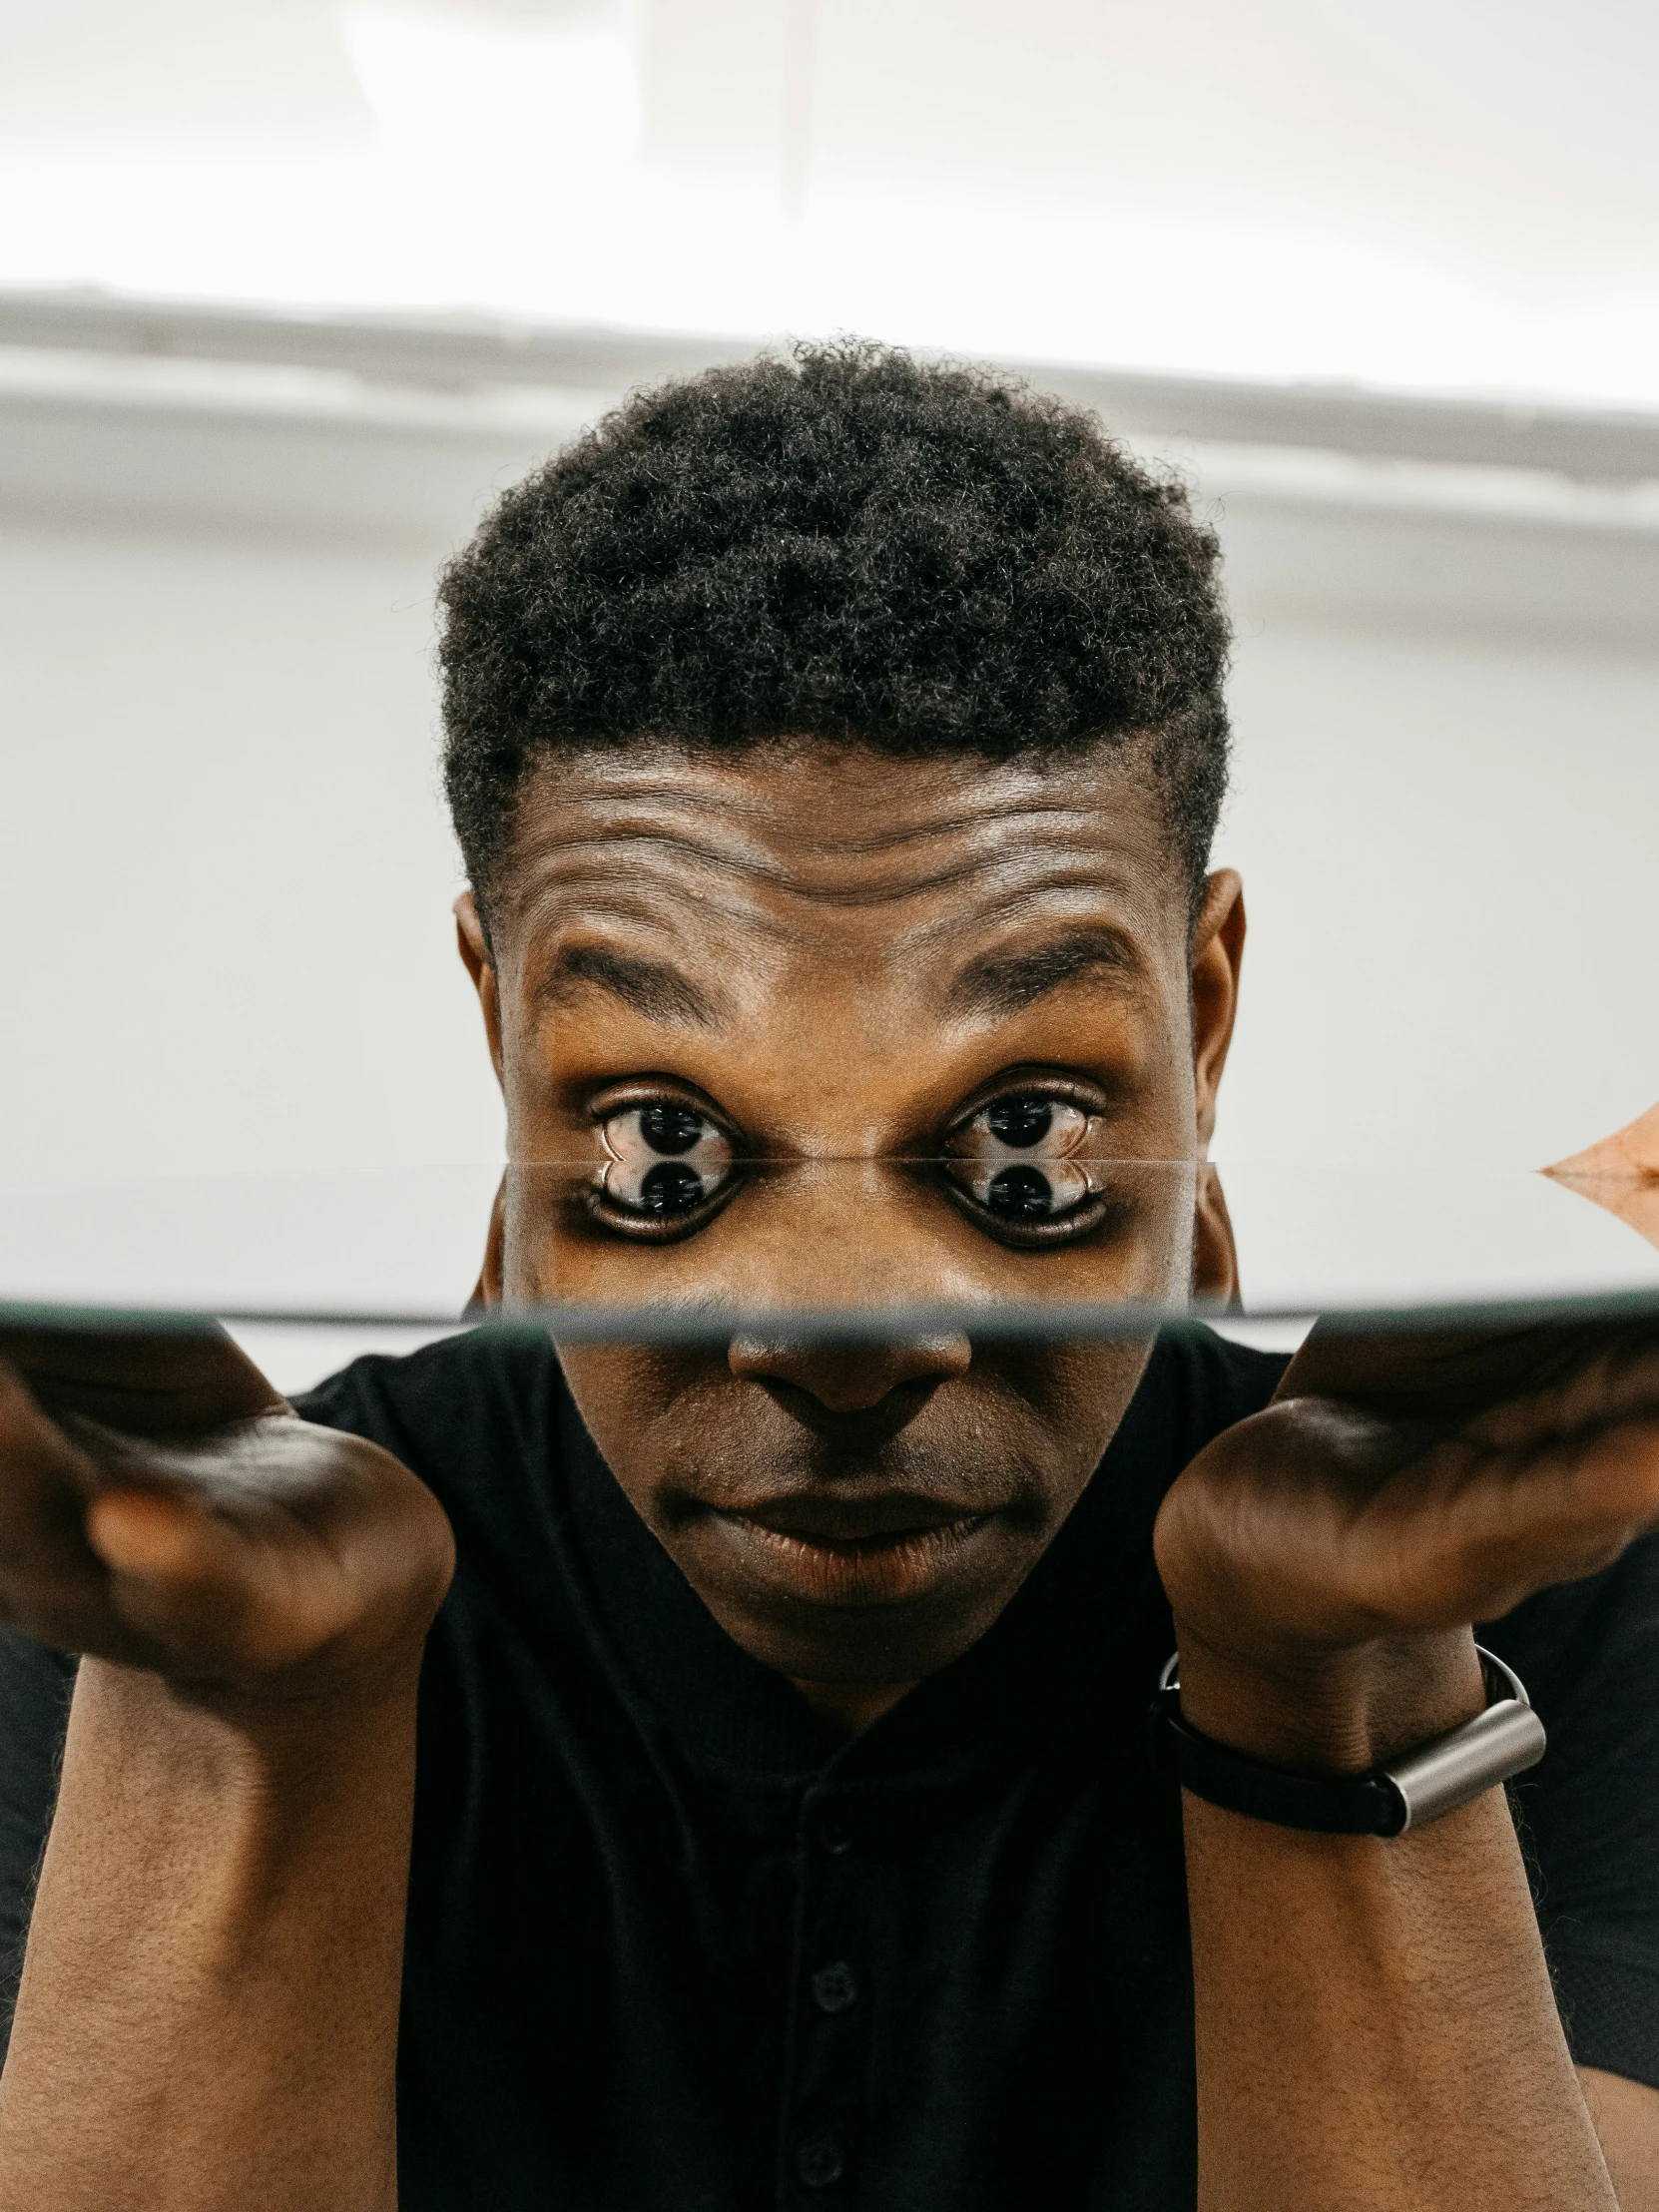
(1375, 2023)
(208, 2007)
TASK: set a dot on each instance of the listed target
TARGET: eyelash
(669, 1167)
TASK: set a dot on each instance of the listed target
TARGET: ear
(1215, 1254)
(486, 1292)
(479, 962)
(1217, 956)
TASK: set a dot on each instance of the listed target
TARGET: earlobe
(1216, 957)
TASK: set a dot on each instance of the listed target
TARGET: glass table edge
(667, 1325)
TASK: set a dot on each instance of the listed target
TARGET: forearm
(1375, 2020)
(209, 2007)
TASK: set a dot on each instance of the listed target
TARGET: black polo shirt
(676, 1947)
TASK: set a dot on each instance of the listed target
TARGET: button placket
(825, 2087)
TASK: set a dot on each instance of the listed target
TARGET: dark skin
(824, 955)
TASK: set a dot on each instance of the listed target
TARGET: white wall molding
(1334, 503)
(468, 353)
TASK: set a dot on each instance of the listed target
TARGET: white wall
(1452, 860)
(224, 876)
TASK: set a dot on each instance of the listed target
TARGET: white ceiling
(1447, 193)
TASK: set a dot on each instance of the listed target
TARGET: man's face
(745, 997)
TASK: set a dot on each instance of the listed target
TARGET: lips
(820, 1520)
(870, 1551)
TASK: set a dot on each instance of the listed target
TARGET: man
(721, 1776)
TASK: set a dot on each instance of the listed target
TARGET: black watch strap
(1416, 1787)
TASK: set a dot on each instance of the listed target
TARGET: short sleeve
(1588, 1814)
(35, 1687)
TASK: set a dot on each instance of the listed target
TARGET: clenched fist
(1400, 1490)
(162, 1508)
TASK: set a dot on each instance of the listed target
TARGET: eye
(664, 1160)
(1015, 1157)
(1026, 1122)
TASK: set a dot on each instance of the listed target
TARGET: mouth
(878, 1552)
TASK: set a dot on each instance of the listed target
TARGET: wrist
(1331, 1711)
(220, 1739)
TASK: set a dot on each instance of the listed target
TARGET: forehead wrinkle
(631, 859)
(1049, 898)
(662, 906)
(1005, 824)
(740, 800)
(995, 831)
(617, 839)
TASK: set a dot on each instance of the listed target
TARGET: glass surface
(666, 1237)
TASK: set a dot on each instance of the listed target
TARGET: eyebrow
(652, 987)
(1006, 982)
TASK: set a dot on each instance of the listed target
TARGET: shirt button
(819, 2161)
(835, 1988)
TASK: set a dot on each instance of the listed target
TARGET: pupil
(671, 1188)
(669, 1128)
(1022, 1193)
(1020, 1121)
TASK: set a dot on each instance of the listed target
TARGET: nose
(851, 1378)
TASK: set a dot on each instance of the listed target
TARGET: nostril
(846, 1379)
(839, 1394)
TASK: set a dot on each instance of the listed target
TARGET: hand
(162, 1508)
(1326, 1558)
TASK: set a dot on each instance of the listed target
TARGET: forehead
(796, 853)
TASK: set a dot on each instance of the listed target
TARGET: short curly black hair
(844, 543)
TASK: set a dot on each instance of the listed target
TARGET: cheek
(1082, 1393)
(626, 1396)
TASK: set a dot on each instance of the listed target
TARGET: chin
(842, 1621)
